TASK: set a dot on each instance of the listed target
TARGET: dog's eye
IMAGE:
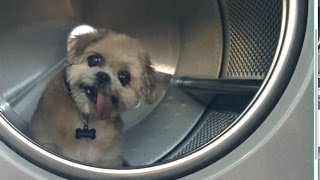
(94, 60)
(124, 77)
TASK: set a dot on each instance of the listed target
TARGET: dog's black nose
(103, 78)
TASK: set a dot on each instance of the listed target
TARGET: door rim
(289, 47)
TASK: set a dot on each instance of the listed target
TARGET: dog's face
(109, 73)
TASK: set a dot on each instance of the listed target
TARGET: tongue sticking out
(104, 106)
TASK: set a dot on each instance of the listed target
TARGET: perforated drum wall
(252, 31)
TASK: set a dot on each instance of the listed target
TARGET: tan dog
(108, 73)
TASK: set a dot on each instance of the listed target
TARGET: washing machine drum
(224, 65)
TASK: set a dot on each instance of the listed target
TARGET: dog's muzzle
(97, 95)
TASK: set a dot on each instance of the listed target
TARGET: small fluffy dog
(107, 74)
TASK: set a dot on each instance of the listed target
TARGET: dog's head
(109, 73)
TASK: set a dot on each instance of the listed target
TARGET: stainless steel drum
(225, 64)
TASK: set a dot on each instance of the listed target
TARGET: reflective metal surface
(174, 48)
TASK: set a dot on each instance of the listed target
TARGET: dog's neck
(84, 132)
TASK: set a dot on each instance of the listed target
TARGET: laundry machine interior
(224, 65)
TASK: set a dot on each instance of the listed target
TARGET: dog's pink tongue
(104, 106)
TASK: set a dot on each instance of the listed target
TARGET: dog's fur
(60, 113)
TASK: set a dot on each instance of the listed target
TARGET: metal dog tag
(85, 133)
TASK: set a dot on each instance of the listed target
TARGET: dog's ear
(76, 45)
(150, 82)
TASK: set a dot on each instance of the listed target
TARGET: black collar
(70, 95)
(67, 85)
